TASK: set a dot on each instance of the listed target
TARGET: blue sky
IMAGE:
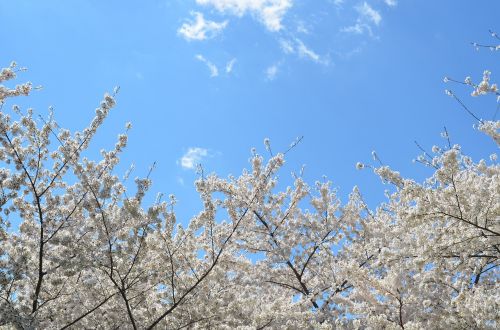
(209, 79)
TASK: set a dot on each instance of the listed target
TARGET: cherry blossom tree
(436, 243)
(90, 252)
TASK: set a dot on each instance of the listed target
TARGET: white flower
(110, 101)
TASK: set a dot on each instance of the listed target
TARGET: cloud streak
(214, 72)
(297, 46)
(230, 65)
(200, 29)
(368, 18)
(370, 14)
(303, 51)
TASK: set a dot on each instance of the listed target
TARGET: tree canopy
(91, 253)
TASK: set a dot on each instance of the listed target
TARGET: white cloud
(303, 51)
(302, 28)
(367, 19)
(391, 3)
(200, 29)
(269, 12)
(272, 71)
(367, 12)
(230, 65)
(358, 28)
(296, 46)
(193, 157)
(287, 46)
(214, 72)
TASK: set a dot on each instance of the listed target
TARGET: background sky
(207, 80)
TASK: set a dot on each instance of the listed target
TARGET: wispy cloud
(230, 65)
(214, 72)
(287, 46)
(367, 19)
(297, 46)
(272, 71)
(303, 51)
(358, 28)
(269, 12)
(193, 157)
(302, 28)
(391, 3)
(367, 12)
(200, 29)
